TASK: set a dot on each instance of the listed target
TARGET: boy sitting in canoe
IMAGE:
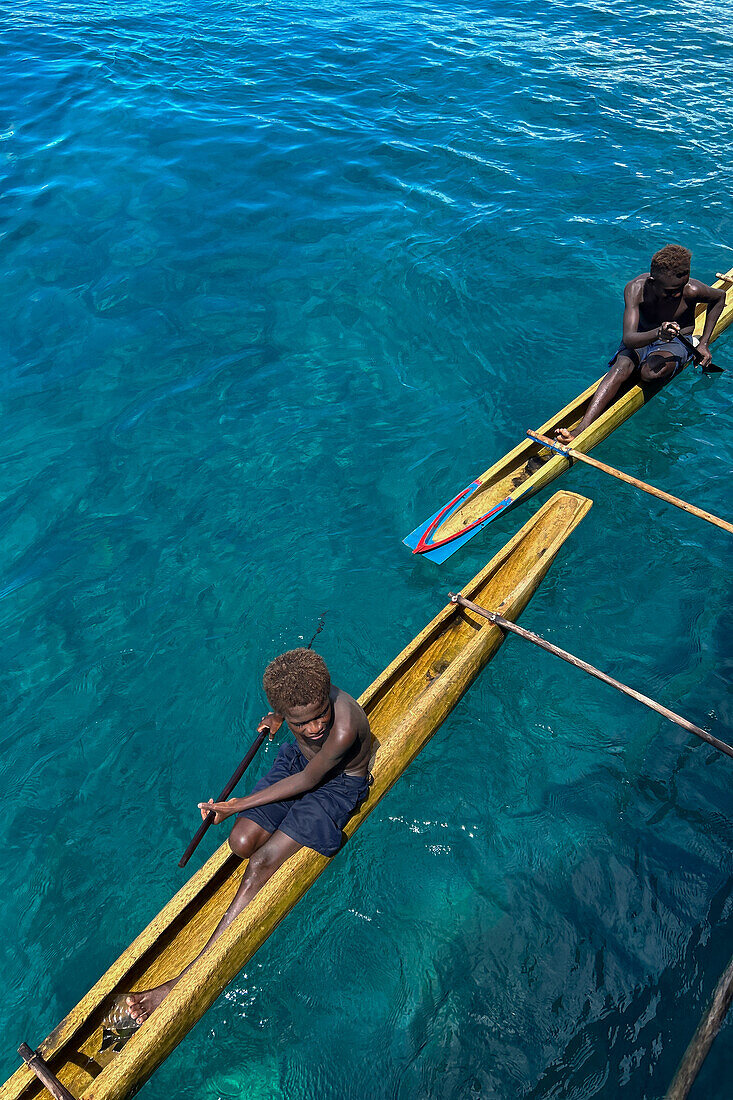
(306, 798)
(659, 306)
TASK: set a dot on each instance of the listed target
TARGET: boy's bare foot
(564, 436)
(147, 1000)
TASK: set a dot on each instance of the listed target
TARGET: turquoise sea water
(277, 281)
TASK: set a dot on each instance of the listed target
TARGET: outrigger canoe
(510, 482)
(406, 704)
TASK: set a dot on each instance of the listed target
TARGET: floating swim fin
(118, 1025)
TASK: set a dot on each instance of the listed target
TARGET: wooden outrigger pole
(702, 1040)
(578, 456)
(38, 1066)
(571, 659)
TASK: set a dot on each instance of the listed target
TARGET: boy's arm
(337, 744)
(632, 299)
(714, 300)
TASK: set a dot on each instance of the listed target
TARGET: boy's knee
(658, 367)
(240, 839)
(623, 368)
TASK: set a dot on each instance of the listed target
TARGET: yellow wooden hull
(406, 705)
(509, 478)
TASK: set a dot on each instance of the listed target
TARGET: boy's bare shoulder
(348, 714)
(634, 289)
(695, 291)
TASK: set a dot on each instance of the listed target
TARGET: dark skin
(656, 307)
(333, 734)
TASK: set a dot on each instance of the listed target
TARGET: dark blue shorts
(674, 348)
(314, 819)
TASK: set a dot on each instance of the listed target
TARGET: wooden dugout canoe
(406, 704)
(508, 482)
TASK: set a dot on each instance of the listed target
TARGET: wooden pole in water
(505, 624)
(209, 819)
(568, 452)
(702, 1040)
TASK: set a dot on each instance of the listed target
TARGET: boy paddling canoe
(659, 306)
(306, 798)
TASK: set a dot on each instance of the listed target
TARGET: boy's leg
(266, 853)
(261, 867)
(660, 367)
(608, 387)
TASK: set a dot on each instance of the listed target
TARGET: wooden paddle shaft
(209, 819)
(703, 1038)
(691, 508)
(506, 624)
(35, 1062)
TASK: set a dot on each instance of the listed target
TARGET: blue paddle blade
(444, 512)
(444, 549)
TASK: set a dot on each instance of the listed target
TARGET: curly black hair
(298, 678)
(673, 259)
